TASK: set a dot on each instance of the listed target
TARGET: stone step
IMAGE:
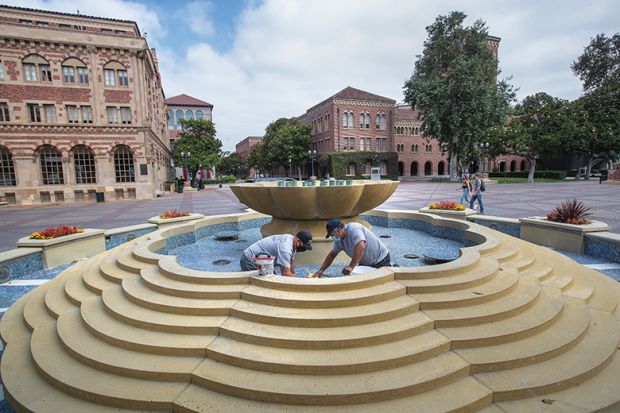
(297, 299)
(570, 368)
(110, 329)
(142, 317)
(137, 292)
(324, 317)
(82, 381)
(524, 295)
(94, 279)
(89, 350)
(326, 337)
(561, 335)
(171, 269)
(128, 262)
(335, 361)
(39, 395)
(76, 291)
(35, 311)
(158, 282)
(466, 263)
(111, 271)
(505, 253)
(13, 327)
(501, 284)
(522, 261)
(559, 282)
(544, 312)
(464, 395)
(55, 299)
(541, 270)
(476, 276)
(331, 389)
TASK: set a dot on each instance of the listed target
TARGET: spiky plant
(570, 212)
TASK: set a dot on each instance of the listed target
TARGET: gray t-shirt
(375, 251)
(279, 246)
(477, 185)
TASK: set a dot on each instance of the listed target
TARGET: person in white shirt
(281, 246)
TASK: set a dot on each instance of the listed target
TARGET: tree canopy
(198, 138)
(454, 87)
(232, 164)
(600, 62)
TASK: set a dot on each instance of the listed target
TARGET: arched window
(428, 168)
(383, 168)
(351, 169)
(414, 169)
(401, 168)
(326, 123)
(7, 169)
(51, 166)
(429, 148)
(199, 115)
(345, 120)
(115, 74)
(84, 163)
(74, 70)
(523, 165)
(189, 114)
(36, 68)
(382, 122)
(179, 117)
(351, 120)
(367, 121)
(366, 168)
(377, 121)
(362, 120)
(170, 119)
(513, 165)
(123, 164)
(441, 168)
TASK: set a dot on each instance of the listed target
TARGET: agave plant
(570, 212)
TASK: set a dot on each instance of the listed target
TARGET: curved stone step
(107, 328)
(326, 337)
(544, 312)
(169, 267)
(133, 314)
(504, 253)
(76, 291)
(55, 299)
(324, 317)
(568, 369)
(112, 272)
(13, 327)
(331, 389)
(541, 270)
(135, 291)
(524, 295)
(158, 282)
(501, 284)
(94, 279)
(89, 350)
(464, 395)
(469, 260)
(336, 361)
(476, 276)
(563, 334)
(35, 311)
(297, 299)
(128, 262)
(82, 381)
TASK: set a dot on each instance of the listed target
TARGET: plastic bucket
(265, 265)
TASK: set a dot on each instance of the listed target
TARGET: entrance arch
(513, 165)
(414, 168)
(441, 168)
(401, 168)
(428, 168)
(523, 165)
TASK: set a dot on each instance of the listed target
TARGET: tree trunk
(299, 171)
(453, 167)
(588, 168)
(530, 175)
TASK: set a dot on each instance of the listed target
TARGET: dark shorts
(247, 264)
(383, 263)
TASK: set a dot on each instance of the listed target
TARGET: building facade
(185, 107)
(244, 148)
(81, 109)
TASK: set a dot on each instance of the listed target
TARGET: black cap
(306, 238)
(331, 225)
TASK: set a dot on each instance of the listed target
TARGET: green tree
(232, 164)
(286, 139)
(258, 160)
(454, 86)
(600, 62)
(198, 138)
(540, 125)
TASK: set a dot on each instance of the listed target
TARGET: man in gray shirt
(281, 246)
(358, 242)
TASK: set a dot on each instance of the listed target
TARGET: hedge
(523, 174)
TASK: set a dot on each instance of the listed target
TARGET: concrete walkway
(509, 200)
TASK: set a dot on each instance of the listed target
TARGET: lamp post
(484, 149)
(290, 168)
(312, 155)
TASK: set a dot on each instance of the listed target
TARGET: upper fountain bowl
(314, 202)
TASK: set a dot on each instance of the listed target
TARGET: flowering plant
(570, 212)
(451, 206)
(175, 213)
(52, 232)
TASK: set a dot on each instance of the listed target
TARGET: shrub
(570, 212)
(59, 231)
(447, 205)
(523, 174)
(175, 213)
(228, 179)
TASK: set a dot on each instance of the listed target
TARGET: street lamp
(312, 155)
(484, 149)
(290, 170)
(185, 157)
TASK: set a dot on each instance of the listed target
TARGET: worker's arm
(287, 272)
(357, 256)
(328, 261)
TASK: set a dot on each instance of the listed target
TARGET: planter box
(567, 237)
(162, 223)
(446, 213)
(65, 249)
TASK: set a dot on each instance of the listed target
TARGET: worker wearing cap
(358, 242)
(281, 246)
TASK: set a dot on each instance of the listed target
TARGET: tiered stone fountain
(507, 327)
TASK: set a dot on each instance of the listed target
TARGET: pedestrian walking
(466, 189)
(478, 189)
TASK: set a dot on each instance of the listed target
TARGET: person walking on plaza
(466, 186)
(281, 246)
(358, 242)
(478, 189)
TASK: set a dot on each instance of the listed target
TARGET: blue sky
(256, 61)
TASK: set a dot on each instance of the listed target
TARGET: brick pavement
(509, 200)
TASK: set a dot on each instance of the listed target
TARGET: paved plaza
(508, 200)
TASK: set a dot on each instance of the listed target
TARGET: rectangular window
(378, 144)
(64, 26)
(112, 115)
(368, 144)
(34, 110)
(68, 73)
(362, 144)
(108, 75)
(23, 21)
(30, 72)
(50, 113)
(346, 144)
(1, 71)
(83, 75)
(72, 114)
(126, 116)
(106, 30)
(46, 73)
(120, 32)
(4, 112)
(352, 143)
(123, 80)
(43, 24)
(87, 114)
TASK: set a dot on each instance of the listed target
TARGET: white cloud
(197, 17)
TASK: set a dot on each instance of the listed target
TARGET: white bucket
(265, 265)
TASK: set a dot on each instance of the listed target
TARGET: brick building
(244, 147)
(185, 107)
(81, 109)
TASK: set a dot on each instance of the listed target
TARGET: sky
(257, 61)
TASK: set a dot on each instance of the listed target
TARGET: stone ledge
(18, 253)
(595, 226)
(491, 218)
(162, 222)
(446, 213)
(129, 228)
(42, 243)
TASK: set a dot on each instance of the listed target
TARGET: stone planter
(65, 249)
(161, 222)
(567, 237)
(446, 213)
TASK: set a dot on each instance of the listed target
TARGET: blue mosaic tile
(21, 266)
(513, 230)
(601, 248)
(375, 220)
(12, 293)
(118, 239)
(615, 274)
(253, 223)
(582, 259)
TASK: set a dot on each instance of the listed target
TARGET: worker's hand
(347, 270)
(316, 274)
